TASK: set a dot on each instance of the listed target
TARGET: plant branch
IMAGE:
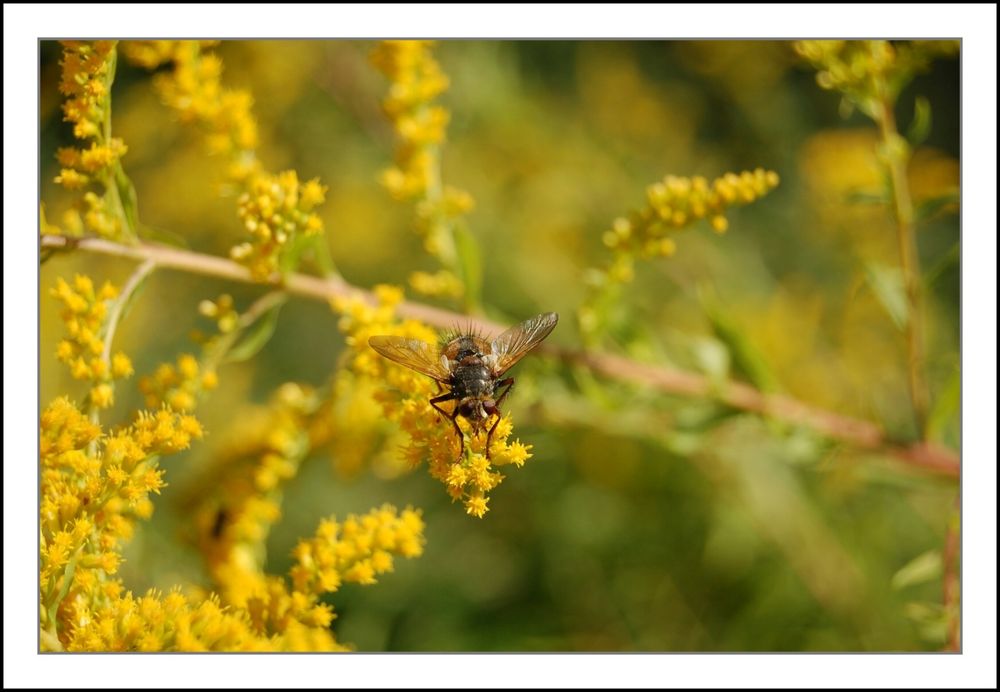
(896, 153)
(858, 433)
(952, 609)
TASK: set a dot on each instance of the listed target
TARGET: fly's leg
(450, 396)
(440, 389)
(509, 384)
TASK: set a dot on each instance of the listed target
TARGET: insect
(471, 367)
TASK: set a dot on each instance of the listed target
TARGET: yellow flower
(403, 395)
(102, 396)
(274, 209)
(672, 204)
(416, 80)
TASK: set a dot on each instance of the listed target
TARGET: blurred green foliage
(644, 522)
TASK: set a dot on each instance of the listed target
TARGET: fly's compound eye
(467, 409)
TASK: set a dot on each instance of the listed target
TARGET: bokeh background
(643, 522)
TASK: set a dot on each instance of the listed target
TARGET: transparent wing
(514, 344)
(413, 353)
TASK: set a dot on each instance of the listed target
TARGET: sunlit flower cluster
(240, 499)
(420, 125)
(161, 622)
(94, 488)
(85, 310)
(676, 203)
(275, 210)
(194, 90)
(857, 68)
(441, 283)
(404, 394)
(356, 550)
(87, 72)
(672, 204)
(88, 69)
(177, 385)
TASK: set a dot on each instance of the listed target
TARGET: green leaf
(255, 337)
(746, 358)
(291, 255)
(920, 127)
(470, 265)
(887, 285)
(130, 201)
(131, 298)
(931, 620)
(948, 259)
(932, 206)
(162, 236)
(321, 255)
(921, 569)
(865, 196)
(945, 406)
(711, 357)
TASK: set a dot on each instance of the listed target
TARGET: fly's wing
(413, 353)
(514, 344)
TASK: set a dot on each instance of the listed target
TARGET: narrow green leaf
(131, 298)
(943, 264)
(127, 194)
(255, 337)
(291, 255)
(470, 265)
(931, 620)
(867, 196)
(945, 406)
(162, 236)
(321, 255)
(887, 285)
(932, 206)
(746, 358)
(712, 357)
(920, 128)
(919, 570)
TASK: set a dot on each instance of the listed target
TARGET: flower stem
(896, 153)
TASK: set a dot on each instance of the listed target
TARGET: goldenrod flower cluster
(85, 310)
(94, 487)
(242, 496)
(676, 203)
(420, 126)
(404, 394)
(353, 551)
(88, 69)
(441, 283)
(243, 500)
(274, 209)
(158, 622)
(194, 90)
(222, 311)
(672, 204)
(417, 80)
(177, 386)
(856, 68)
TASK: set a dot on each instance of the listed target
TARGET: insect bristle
(468, 330)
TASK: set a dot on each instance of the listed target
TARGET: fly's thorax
(471, 378)
(466, 346)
